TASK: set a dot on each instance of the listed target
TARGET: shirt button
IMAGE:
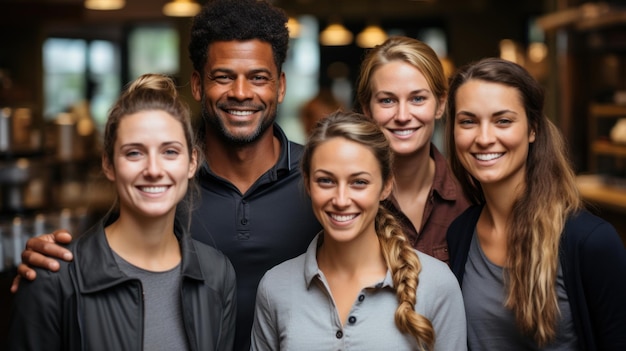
(352, 320)
(244, 221)
(361, 297)
(339, 334)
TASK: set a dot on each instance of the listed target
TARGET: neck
(413, 172)
(242, 165)
(351, 258)
(146, 243)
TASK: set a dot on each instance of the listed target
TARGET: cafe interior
(64, 62)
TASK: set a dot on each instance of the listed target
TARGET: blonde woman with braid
(360, 285)
(537, 271)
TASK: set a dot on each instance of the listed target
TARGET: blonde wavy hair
(397, 251)
(539, 214)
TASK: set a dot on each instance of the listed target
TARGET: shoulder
(588, 234)
(435, 274)
(286, 269)
(209, 256)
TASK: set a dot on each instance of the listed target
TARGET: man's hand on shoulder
(38, 253)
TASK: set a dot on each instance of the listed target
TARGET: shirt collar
(312, 270)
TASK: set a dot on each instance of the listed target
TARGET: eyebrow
(356, 174)
(230, 71)
(496, 114)
(418, 91)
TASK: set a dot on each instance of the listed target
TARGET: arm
(38, 253)
(603, 270)
(264, 335)
(227, 340)
(448, 314)
(36, 322)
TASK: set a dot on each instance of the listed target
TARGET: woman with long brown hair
(537, 271)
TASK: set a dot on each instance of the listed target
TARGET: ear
(282, 87)
(196, 86)
(193, 164)
(441, 107)
(387, 189)
(107, 168)
(532, 136)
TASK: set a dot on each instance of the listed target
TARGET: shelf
(607, 110)
(593, 189)
(608, 148)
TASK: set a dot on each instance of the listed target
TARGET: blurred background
(63, 63)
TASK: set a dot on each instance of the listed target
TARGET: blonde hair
(539, 214)
(397, 251)
(405, 49)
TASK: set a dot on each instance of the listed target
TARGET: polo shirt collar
(444, 182)
(282, 167)
(312, 270)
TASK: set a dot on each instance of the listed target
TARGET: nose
(403, 114)
(153, 167)
(485, 134)
(342, 197)
(240, 89)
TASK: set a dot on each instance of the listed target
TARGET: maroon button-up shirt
(446, 201)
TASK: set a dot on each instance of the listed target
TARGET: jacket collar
(97, 270)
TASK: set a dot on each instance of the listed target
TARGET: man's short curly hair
(227, 20)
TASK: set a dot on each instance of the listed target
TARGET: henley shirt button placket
(339, 334)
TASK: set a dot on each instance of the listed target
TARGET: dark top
(90, 304)
(446, 201)
(270, 223)
(593, 259)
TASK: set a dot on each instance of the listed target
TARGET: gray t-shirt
(491, 326)
(295, 310)
(163, 319)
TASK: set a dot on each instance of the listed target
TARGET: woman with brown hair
(537, 271)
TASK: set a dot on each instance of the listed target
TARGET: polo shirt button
(339, 334)
(244, 221)
(352, 320)
(361, 297)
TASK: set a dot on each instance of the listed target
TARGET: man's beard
(216, 124)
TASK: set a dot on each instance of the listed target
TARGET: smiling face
(403, 104)
(346, 185)
(240, 90)
(492, 133)
(151, 166)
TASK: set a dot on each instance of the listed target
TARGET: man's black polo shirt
(270, 223)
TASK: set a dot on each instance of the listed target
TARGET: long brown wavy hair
(397, 251)
(539, 214)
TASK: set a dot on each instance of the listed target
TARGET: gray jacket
(91, 305)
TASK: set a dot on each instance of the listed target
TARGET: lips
(153, 189)
(403, 132)
(489, 156)
(342, 217)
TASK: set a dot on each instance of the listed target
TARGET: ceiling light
(294, 27)
(104, 4)
(336, 35)
(181, 8)
(371, 36)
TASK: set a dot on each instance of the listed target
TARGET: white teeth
(343, 218)
(240, 113)
(403, 132)
(488, 157)
(153, 189)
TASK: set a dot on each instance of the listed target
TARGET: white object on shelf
(618, 132)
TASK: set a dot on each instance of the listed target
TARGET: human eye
(133, 154)
(504, 121)
(360, 183)
(259, 79)
(324, 182)
(418, 99)
(465, 122)
(221, 78)
(171, 153)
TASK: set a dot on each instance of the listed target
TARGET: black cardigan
(593, 259)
